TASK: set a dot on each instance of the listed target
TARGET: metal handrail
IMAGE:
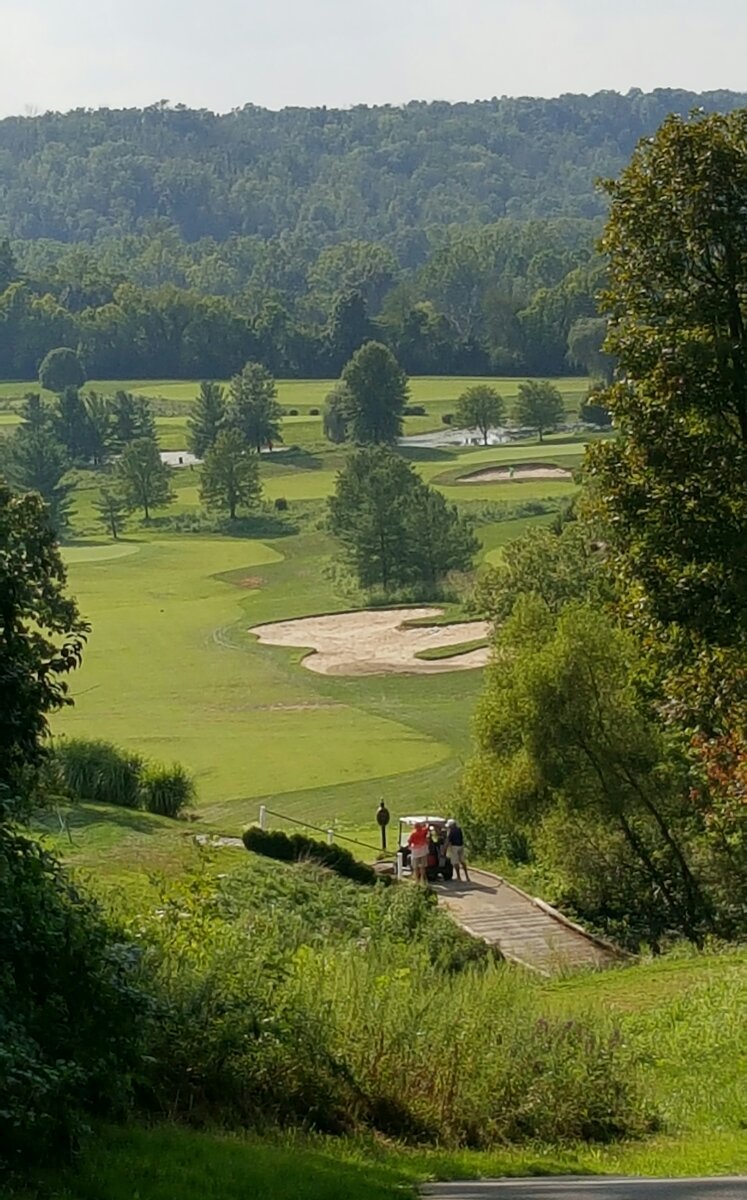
(330, 833)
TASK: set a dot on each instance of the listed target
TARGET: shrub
(447, 418)
(414, 410)
(95, 770)
(70, 1014)
(281, 504)
(313, 412)
(292, 412)
(166, 790)
(296, 847)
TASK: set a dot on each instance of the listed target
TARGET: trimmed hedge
(296, 847)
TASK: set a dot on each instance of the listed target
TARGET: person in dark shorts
(455, 848)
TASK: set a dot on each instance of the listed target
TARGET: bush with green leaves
(296, 847)
(166, 790)
(71, 1016)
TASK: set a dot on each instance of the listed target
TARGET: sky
(222, 54)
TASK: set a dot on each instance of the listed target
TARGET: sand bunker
(517, 473)
(377, 642)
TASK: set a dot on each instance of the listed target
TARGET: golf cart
(438, 863)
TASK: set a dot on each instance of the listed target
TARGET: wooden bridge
(524, 929)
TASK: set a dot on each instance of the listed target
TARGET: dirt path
(525, 930)
(378, 642)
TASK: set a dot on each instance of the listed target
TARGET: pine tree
(253, 408)
(112, 510)
(207, 418)
(145, 480)
(230, 475)
(36, 462)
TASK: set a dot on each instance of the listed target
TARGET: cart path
(594, 1188)
(525, 930)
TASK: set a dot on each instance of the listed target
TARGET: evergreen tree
(349, 328)
(378, 392)
(34, 412)
(99, 436)
(145, 481)
(71, 424)
(112, 510)
(131, 419)
(230, 475)
(396, 531)
(36, 462)
(207, 418)
(253, 408)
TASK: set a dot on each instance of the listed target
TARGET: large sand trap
(516, 474)
(377, 642)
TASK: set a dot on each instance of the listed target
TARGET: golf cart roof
(423, 820)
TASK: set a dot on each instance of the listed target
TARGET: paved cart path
(594, 1188)
(525, 930)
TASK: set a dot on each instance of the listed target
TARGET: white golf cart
(438, 863)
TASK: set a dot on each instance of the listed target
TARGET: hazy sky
(221, 54)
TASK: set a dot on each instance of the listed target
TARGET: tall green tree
(673, 484)
(230, 475)
(35, 413)
(99, 435)
(252, 406)
(378, 392)
(335, 413)
(71, 424)
(36, 462)
(480, 407)
(61, 369)
(112, 510)
(539, 405)
(349, 327)
(394, 530)
(568, 757)
(41, 631)
(207, 417)
(586, 340)
(144, 480)
(131, 419)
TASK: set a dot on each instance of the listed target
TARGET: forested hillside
(173, 242)
(377, 173)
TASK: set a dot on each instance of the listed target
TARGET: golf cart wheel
(447, 871)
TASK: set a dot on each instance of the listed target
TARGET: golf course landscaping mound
(517, 473)
(378, 642)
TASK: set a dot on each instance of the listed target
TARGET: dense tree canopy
(41, 631)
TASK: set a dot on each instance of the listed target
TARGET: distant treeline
(173, 242)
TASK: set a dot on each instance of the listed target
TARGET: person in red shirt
(418, 843)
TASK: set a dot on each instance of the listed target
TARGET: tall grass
(166, 790)
(96, 770)
(100, 772)
(365, 1028)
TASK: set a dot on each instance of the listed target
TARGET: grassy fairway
(177, 675)
(172, 670)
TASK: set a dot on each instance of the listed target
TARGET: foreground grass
(166, 1163)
